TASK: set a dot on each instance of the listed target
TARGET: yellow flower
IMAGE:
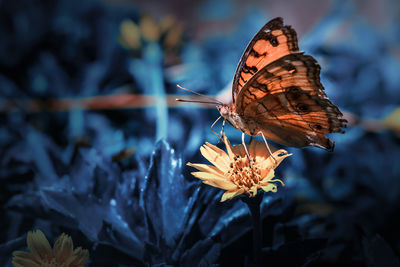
(130, 35)
(42, 255)
(134, 36)
(232, 170)
(149, 28)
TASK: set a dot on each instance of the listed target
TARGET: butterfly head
(224, 110)
(228, 112)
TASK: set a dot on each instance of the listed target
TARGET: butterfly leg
(223, 126)
(213, 126)
(222, 131)
(266, 143)
(247, 152)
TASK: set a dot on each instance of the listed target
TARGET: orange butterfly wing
(285, 100)
(272, 42)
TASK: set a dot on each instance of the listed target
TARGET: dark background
(78, 157)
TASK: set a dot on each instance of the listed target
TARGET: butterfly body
(277, 92)
(242, 123)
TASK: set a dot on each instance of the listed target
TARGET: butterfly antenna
(196, 101)
(214, 101)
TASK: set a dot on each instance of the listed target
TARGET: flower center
(242, 175)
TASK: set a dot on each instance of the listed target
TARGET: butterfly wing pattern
(273, 41)
(277, 91)
(285, 100)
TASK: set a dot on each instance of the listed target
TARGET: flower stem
(253, 203)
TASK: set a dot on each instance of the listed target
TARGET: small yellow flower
(232, 171)
(168, 33)
(130, 35)
(42, 255)
(150, 29)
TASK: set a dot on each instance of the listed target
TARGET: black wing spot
(297, 99)
(289, 67)
(251, 70)
(316, 127)
(302, 107)
(274, 41)
(293, 92)
(254, 53)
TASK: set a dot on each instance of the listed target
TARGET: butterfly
(277, 93)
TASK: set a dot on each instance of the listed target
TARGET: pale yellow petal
(130, 34)
(278, 180)
(220, 152)
(269, 163)
(214, 180)
(268, 179)
(173, 37)
(79, 258)
(267, 175)
(38, 245)
(63, 248)
(24, 262)
(231, 194)
(150, 29)
(24, 259)
(253, 190)
(270, 188)
(228, 148)
(280, 155)
(223, 184)
(207, 175)
(22, 254)
(216, 156)
(206, 168)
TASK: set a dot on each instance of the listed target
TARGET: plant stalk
(253, 203)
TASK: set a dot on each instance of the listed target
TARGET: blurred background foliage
(93, 144)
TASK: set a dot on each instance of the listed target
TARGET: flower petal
(223, 184)
(228, 147)
(38, 245)
(231, 194)
(278, 180)
(79, 257)
(23, 259)
(23, 262)
(216, 156)
(253, 190)
(214, 180)
(270, 188)
(269, 163)
(207, 175)
(63, 248)
(267, 175)
(239, 151)
(206, 168)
